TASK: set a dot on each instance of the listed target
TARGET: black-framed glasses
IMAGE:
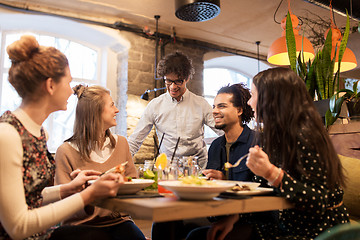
(177, 82)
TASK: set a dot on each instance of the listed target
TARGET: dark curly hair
(177, 63)
(240, 97)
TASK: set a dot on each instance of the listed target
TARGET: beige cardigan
(68, 159)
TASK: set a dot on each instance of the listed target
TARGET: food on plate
(238, 188)
(119, 169)
(161, 161)
(195, 180)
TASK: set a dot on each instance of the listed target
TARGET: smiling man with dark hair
(231, 113)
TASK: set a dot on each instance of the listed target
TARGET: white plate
(134, 186)
(251, 185)
(257, 191)
(196, 192)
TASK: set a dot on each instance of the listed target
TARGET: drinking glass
(169, 173)
(147, 172)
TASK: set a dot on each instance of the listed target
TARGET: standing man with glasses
(178, 113)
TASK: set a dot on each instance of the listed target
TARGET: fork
(229, 165)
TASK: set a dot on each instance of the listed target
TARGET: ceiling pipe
(140, 31)
(339, 7)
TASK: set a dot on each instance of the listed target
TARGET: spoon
(229, 165)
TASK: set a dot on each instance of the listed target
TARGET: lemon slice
(161, 161)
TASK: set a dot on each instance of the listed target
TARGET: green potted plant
(350, 97)
(318, 74)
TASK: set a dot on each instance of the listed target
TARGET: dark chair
(341, 232)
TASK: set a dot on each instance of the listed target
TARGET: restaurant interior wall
(109, 44)
(129, 65)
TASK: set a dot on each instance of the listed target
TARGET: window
(214, 79)
(84, 67)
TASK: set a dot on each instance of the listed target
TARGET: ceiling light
(197, 10)
(348, 61)
(145, 95)
(278, 53)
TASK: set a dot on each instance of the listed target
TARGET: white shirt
(100, 155)
(18, 221)
(184, 119)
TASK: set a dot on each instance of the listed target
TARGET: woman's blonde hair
(88, 127)
(32, 64)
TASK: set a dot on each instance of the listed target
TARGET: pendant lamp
(278, 53)
(348, 60)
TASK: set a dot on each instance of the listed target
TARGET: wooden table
(170, 208)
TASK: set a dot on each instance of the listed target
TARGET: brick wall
(141, 67)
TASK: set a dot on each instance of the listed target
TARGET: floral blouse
(317, 208)
(38, 168)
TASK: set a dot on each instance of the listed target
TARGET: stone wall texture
(141, 67)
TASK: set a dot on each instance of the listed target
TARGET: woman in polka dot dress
(297, 159)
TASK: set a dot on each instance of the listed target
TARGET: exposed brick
(134, 56)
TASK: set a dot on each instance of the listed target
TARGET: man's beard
(221, 126)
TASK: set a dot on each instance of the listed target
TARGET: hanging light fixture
(278, 53)
(258, 54)
(197, 10)
(348, 60)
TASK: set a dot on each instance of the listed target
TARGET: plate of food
(242, 186)
(194, 188)
(249, 188)
(132, 185)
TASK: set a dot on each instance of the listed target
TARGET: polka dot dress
(316, 207)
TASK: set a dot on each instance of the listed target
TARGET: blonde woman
(29, 207)
(93, 146)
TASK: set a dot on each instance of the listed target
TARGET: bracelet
(275, 181)
(278, 181)
(268, 174)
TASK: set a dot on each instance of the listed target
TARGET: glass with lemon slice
(163, 167)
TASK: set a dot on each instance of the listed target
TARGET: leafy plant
(336, 102)
(318, 74)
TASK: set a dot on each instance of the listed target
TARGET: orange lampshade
(278, 53)
(348, 60)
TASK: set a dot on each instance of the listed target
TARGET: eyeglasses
(177, 82)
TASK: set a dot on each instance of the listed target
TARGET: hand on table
(213, 174)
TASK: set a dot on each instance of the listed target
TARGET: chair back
(341, 232)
